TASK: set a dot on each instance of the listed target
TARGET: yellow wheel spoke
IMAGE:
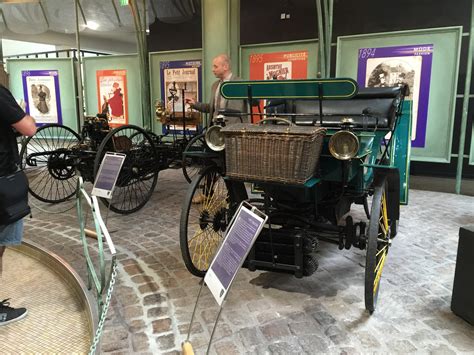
(384, 211)
(378, 270)
(204, 245)
(383, 228)
(381, 251)
(382, 239)
(203, 217)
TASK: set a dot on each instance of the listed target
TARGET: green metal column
(465, 105)
(234, 43)
(80, 89)
(220, 34)
(140, 29)
(324, 12)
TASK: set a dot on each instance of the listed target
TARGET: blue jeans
(11, 234)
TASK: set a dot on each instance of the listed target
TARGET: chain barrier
(105, 308)
(97, 279)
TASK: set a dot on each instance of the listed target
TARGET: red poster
(278, 66)
(112, 95)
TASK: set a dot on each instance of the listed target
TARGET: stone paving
(271, 313)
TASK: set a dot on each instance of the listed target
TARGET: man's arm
(26, 126)
(200, 106)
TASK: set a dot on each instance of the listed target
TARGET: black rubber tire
(139, 174)
(205, 222)
(378, 243)
(47, 182)
(192, 166)
(366, 207)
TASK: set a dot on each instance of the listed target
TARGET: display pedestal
(462, 302)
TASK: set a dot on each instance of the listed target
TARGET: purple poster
(180, 81)
(41, 94)
(392, 66)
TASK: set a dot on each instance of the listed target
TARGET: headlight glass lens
(344, 145)
(215, 139)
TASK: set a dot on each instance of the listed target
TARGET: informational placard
(392, 66)
(180, 80)
(42, 97)
(278, 66)
(112, 95)
(108, 174)
(241, 235)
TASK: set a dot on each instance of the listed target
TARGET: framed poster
(42, 97)
(112, 95)
(396, 66)
(277, 66)
(433, 135)
(180, 80)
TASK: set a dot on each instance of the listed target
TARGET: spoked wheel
(138, 177)
(204, 218)
(192, 164)
(46, 160)
(378, 243)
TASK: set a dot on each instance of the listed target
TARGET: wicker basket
(275, 153)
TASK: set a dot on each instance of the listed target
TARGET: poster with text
(180, 81)
(277, 66)
(395, 66)
(112, 95)
(41, 94)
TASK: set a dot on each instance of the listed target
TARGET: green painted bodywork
(339, 88)
(401, 148)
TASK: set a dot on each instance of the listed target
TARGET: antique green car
(326, 146)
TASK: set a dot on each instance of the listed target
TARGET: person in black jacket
(13, 120)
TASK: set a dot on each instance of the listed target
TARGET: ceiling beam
(116, 13)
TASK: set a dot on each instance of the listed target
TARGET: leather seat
(370, 108)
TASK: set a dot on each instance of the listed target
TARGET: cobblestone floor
(270, 313)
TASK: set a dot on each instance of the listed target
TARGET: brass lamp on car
(214, 137)
(344, 145)
(161, 113)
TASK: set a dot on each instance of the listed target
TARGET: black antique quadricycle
(56, 154)
(328, 146)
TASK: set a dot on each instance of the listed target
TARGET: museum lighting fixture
(92, 25)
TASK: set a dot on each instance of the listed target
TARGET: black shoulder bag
(13, 197)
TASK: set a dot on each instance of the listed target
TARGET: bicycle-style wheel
(46, 160)
(138, 177)
(192, 163)
(378, 243)
(204, 219)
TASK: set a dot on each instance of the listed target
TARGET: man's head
(221, 66)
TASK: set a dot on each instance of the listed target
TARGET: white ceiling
(102, 26)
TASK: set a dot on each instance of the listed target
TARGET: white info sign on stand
(244, 228)
(108, 174)
(241, 235)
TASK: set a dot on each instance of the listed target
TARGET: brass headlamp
(344, 145)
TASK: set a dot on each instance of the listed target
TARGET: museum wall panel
(100, 77)
(56, 78)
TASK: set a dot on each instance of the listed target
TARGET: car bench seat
(370, 108)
